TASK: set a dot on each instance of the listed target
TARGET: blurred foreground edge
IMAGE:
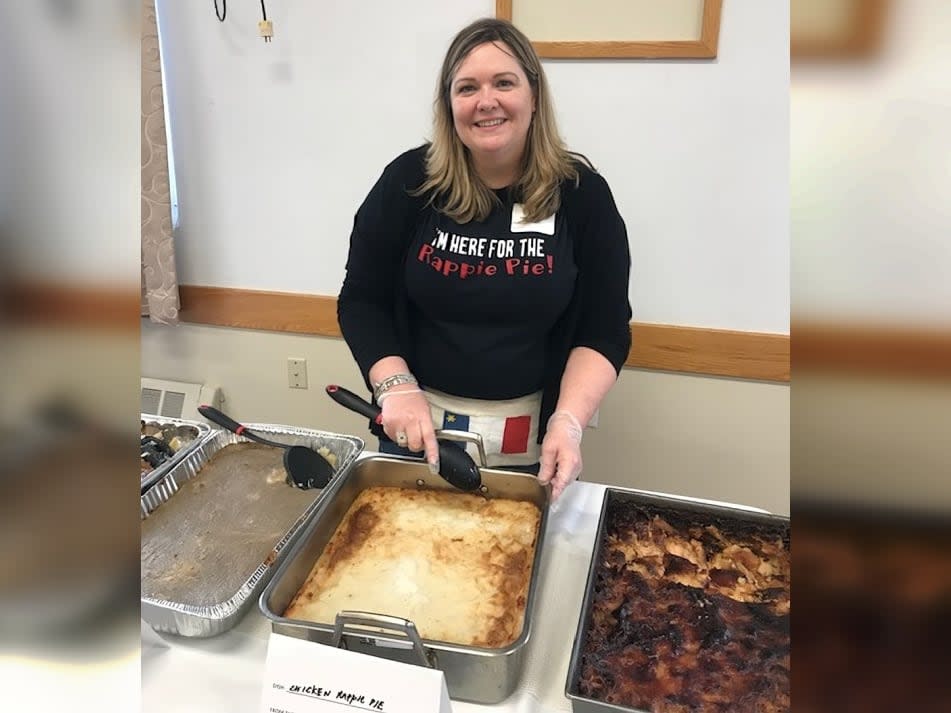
(858, 34)
(871, 350)
(112, 307)
(872, 610)
(872, 562)
(68, 420)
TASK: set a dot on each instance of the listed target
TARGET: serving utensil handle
(225, 421)
(350, 400)
(216, 416)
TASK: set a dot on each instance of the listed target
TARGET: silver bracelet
(391, 381)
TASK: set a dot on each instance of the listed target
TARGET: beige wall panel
(709, 437)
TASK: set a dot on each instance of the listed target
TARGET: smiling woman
(488, 270)
(492, 107)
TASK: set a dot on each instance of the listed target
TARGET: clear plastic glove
(560, 460)
(407, 420)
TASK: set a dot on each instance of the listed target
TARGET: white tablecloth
(225, 673)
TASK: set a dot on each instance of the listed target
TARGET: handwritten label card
(307, 677)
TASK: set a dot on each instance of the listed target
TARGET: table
(225, 673)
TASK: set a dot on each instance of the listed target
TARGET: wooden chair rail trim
(747, 355)
(872, 350)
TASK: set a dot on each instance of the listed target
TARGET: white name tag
(307, 677)
(546, 226)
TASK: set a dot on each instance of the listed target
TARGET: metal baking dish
(476, 674)
(197, 431)
(705, 510)
(210, 620)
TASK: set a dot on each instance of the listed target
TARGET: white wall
(277, 144)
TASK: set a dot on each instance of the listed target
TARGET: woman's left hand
(560, 460)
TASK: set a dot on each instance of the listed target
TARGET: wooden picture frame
(703, 47)
(836, 29)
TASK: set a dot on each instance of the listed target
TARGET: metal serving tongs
(455, 465)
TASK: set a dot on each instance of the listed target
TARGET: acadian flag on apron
(454, 421)
(509, 429)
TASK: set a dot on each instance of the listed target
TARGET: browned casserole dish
(455, 564)
(689, 611)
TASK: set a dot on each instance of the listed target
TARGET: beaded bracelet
(387, 394)
(391, 381)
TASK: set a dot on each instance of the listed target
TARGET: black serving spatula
(455, 465)
(305, 467)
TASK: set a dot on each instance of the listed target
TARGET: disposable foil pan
(188, 619)
(199, 433)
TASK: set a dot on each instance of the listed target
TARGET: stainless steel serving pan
(202, 433)
(704, 510)
(472, 673)
(184, 619)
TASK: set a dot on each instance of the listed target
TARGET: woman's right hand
(407, 420)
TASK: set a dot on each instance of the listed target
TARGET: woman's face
(492, 105)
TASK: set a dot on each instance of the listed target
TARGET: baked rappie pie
(690, 614)
(457, 565)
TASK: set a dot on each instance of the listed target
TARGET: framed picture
(836, 29)
(619, 29)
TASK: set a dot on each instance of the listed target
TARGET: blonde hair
(451, 181)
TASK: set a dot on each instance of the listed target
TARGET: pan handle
(346, 621)
(465, 437)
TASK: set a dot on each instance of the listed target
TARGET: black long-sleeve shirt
(488, 309)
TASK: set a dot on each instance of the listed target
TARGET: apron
(509, 428)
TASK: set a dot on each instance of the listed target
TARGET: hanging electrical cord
(265, 26)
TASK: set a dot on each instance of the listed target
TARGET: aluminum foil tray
(232, 532)
(199, 433)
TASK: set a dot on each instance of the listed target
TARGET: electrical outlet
(297, 373)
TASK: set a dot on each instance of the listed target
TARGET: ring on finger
(401, 438)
